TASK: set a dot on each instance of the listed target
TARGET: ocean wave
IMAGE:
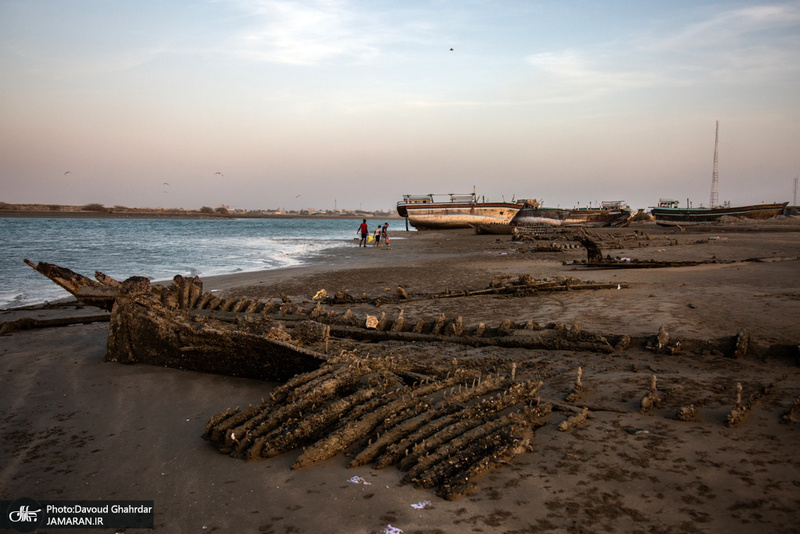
(156, 249)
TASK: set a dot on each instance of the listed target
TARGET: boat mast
(715, 172)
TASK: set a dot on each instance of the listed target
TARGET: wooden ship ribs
(182, 326)
(442, 421)
(444, 429)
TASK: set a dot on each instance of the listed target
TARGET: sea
(157, 248)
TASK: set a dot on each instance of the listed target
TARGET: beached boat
(494, 228)
(609, 213)
(668, 212)
(430, 212)
(532, 214)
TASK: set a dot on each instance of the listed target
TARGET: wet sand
(76, 427)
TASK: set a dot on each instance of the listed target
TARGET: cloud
(728, 28)
(576, 75)
(742, 46)
(304, 33)
(318, 31)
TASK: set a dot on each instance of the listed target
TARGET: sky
(262, 104)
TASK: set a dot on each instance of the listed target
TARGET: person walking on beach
(385, 233)
(376, 237)
(364, 233)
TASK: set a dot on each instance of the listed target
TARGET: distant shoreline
(48, 214)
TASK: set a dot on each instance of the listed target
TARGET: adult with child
(362, 228)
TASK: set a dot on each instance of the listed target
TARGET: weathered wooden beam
(84, 289)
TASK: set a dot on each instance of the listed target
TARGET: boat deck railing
(432, 198)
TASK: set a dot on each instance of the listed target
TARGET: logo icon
(25, 515)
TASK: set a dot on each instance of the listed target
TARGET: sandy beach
(78, 427)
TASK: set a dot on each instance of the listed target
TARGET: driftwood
(521, 286)
(579, 390)
(84, 289)
(595, 259)
(738, 414)
(652, 399)
(610, 263)
(27, 323)
(574, 421)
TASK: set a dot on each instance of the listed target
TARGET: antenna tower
(715, 173)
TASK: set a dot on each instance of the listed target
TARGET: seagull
(66, 173)
(166, 183)
(298, 196)
(220, 174)
(451, 49)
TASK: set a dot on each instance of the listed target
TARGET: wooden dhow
(441, 212)
(609, 213)
(669, 213)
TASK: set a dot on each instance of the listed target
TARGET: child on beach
(377, 236)
(385, 233)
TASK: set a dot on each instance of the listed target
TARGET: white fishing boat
(437, 212)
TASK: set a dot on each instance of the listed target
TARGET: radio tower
(715, 173)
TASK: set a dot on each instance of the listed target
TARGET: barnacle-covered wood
(85, 289)
(432, 420)
(368, 406)
(142, 330)
(185, 297)
(452, 428)
(501, 285)
(383, 387)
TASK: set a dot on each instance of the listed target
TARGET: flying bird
(298, 196)
(166, 183)
(451, 49)
(220, 174)
(66, 173)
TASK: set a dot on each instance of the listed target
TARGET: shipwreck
(383, 391)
